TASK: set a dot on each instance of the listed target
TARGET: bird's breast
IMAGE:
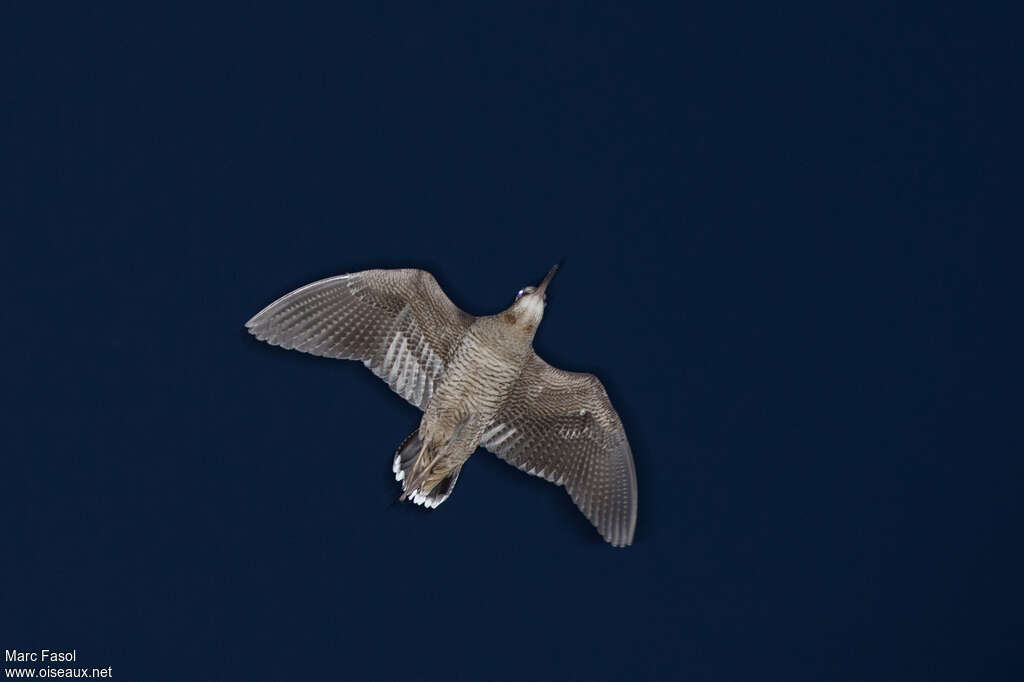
(478, 379)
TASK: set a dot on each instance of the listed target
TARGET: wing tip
(258, 330)
(256, 319)
(620, 537)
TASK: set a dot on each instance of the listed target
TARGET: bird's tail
(412, 465)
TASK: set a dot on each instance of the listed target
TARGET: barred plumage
(478, 381)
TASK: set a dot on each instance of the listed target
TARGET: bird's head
(528, 307)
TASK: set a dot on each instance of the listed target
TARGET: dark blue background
(780, 258)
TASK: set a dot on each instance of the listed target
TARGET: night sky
(782, 252)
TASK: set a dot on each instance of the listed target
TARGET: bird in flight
(477, 380)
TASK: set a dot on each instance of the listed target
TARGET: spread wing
(398, 322)
(561, 426)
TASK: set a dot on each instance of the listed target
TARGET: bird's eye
(526, 290)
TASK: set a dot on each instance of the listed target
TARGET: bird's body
(478, 381)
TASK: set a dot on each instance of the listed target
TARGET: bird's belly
(474, 388)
